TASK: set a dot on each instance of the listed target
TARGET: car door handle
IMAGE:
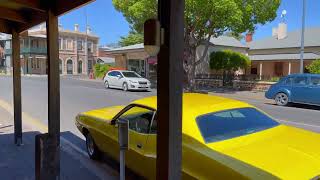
(139, 146)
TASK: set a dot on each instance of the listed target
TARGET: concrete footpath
(17, 162)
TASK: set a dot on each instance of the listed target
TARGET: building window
(60, 44)
(69, 44)
(38, 63)
(33, 63)
(8, 45)
(69, 67)
(90, 47)
(34, 43)
(64, 46)
(79, 67)
(79, 45)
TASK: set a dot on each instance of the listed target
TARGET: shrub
(314, 67)
(100, 70)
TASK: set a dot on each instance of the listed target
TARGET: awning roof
(24, 14)
(270, 57)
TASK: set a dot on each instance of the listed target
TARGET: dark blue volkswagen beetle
(296, 88)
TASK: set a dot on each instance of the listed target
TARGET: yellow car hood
(283, 151)
(104, 113)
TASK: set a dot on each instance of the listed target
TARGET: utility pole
(302, 36)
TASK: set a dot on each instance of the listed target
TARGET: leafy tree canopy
(205, 17)
(228, 60)
(314, 67)
(132, 38)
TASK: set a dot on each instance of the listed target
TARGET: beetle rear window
(233, 123)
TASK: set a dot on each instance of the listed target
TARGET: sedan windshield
(130, 74)
(233, 123)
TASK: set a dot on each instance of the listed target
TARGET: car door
(139, 119)
(119, 79)
(299, 86)
(314, 90)
(110, 78)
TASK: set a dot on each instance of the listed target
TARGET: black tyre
(282, 99)
(92, 148)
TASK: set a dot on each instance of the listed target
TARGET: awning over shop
(271, 57)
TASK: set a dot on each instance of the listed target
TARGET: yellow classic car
(222, 139)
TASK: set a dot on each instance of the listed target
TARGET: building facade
(279, 55)
(73, 57)
(136, 59)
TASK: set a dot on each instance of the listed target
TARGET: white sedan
(126, 80)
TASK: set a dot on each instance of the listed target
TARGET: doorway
(69, 67)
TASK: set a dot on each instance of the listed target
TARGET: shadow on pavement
(105, 159)
(17, 162)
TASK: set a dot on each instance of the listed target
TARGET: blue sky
(109, 24)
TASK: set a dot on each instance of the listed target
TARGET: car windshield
(130, 74)
(233, 123)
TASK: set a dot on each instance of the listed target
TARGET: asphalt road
(78, 96)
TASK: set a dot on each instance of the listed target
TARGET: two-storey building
(73, 56)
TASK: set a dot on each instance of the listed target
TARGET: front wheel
(92, 148)
(125, 86)
(106, 84)
(281, 99)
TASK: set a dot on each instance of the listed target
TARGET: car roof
(194, 105)
(304, 74)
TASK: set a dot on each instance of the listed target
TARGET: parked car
(222, 139)
(296, 88)
(126, 80)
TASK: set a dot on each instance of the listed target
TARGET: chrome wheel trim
(90, 145)
(282, 99)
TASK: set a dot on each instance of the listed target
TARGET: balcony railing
(29, 51)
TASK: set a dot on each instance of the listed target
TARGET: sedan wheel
(281, 99)
(106, 84)
(125, 86)
(92, 148)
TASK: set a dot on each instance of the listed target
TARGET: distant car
(126, 80)
(221, 139)
(296, 88)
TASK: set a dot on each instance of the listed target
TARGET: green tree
(131, 39)
(100, 70)
(204, 19)
(238, 36)
(314, 67)
(228, 62)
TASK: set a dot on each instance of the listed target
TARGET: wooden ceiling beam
(38, 5)
(13, 15)
(63, 6)
(5, 26)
